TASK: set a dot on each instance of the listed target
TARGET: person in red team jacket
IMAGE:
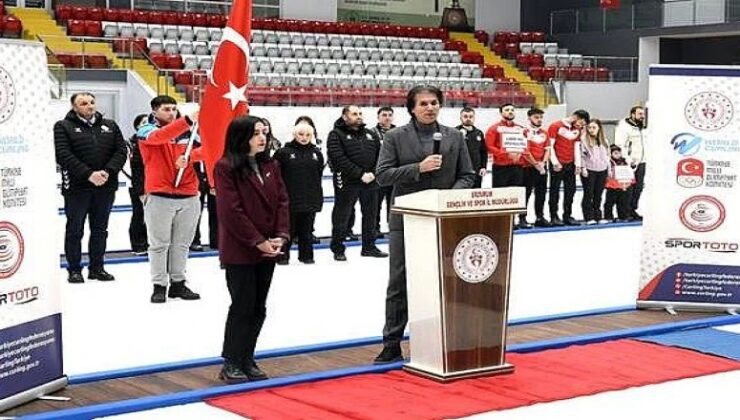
(566, 163)
(506, 143)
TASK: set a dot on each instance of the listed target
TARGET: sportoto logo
(690, 173)
(702, 213)
(709, 111)
(475, 258)
(686, 144)
(11, 249)
(7, 95)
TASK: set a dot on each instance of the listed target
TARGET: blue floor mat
(705, 340)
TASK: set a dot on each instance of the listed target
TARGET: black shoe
(196, 248)
(159, 294)
(390, 354)
(231, 373)
(352, 237)
(635, 216)
(140, 252)
(542, 222)
(339, 256)
(523, 224)
(374, 252)
(282, 261)
(101, 275)
(180, 290)
(315, 240)
(308, 261)
(569, 221)
(555, 221)
(75, 277)
(253, 372)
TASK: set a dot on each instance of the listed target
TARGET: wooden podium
(458, 259)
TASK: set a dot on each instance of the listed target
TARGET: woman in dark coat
(253, 215)
(301, 164)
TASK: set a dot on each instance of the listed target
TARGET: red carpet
(539, 377)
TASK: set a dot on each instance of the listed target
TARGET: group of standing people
(576, 146)
(267, 194)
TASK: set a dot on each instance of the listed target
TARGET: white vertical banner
(690, 251)
(30, 315)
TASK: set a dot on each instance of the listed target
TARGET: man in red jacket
(566, 163)
(506, 143)
(171, 213)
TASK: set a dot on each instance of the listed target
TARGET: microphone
(437, 142)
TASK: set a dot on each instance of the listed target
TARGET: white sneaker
(603, 221)
(591, 222)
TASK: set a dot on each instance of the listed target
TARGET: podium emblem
(475, 258)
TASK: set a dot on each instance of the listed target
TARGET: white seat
(539, 48)
(319, 67)
(337, 53)
(202, 34)
(309, 40)
(273, 51)
(433, 57)
(526, 47)
(299, 51)
(213, 46)
(347, 41)
(351, 54)
(286, 51)
(576, 60)
(205, 62)
(156, 31)
(186, 33)
(270, 37)
(395, 43)
(141, 30)
(279, 67)
(371, 42)
(312, 52)
(257, 36)
(201, 48)
(551, 48)
(322, 41)
(563, 60)
(190, 62)
(283, 38)
(296, 38)
(364, 54)
(154, 45)
(406, 44)
(185, 47)
(399, 56)
(259, 50)
(551, 60)
(171, 32)
(110, 29)
(384, 43)
(171, 47)
(215, 34)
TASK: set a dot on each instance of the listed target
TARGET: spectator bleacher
(545, 60)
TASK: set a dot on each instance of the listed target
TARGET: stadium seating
(10, 26)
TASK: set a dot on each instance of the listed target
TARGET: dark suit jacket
(401, 153)
(249, 212)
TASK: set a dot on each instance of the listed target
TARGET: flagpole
(188, 150)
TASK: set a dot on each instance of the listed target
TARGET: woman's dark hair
(411, 96)
(238, 134)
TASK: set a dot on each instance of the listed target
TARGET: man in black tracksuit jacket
(90, 151)
(475, 140)
(353, 153)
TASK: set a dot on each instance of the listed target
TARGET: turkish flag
(610, 4)
(225, 91)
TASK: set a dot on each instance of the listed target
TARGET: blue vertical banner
(690, 252)
(30, 312)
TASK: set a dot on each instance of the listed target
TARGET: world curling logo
(702, 213)
(475, 258)
(7, 95)
(11, 249)
(709, 111)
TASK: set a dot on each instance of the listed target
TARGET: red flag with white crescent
(225, 95)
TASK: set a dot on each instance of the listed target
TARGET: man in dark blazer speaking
(410, 161)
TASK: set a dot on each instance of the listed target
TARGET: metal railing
(623, 69)
(644, 16)
(57, 80)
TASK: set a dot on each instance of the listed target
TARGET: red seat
(501, 37)
(603, 74)
(126, 15)
(170, 18)
(76, 27)
(525, 37)
(548, 73)
(512, 49)
(183, 78)
(538, 37)
(523, 61)
(536, 60)
(93, 28)
(112, 15)
(159, 60)
(573, 73)
(12, 27)
(536, 73)
(186, 19)
(499, 48)
(63, 13)
(199, 19)
(70, 60)
(482, 36)
(96, 61)
(588, 74)
(79, 13)
(174, 61)
(216, 20)
(156, 17)
(514, 37)
(141, 16)
(95, 13)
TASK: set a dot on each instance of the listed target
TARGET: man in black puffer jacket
(90, 151)
(353, 153)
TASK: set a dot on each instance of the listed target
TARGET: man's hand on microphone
(368, 177)
(430, 163)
